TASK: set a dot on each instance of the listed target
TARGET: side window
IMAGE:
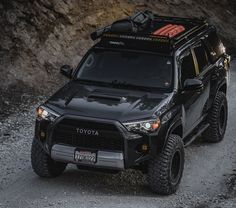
(215, 46)
(201, 57)
(187, 66)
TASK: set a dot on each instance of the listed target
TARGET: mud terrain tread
(212, 134)
(42, 164)
(159, 167)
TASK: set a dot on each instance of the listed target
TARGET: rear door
(204, 74)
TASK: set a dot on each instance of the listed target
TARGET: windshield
(124, 68)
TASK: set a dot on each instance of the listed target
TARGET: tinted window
(215, 45)
(127, 68)
(187, 67)
(201, 56)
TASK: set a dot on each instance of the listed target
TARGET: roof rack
(197, 26)
(135, 23)
(188, 34)
(180, 20)
(142, 25)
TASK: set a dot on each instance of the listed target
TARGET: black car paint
(103, 102)
(181, 110)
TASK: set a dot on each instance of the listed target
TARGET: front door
(193, 65)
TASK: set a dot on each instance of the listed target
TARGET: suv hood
(103, 102)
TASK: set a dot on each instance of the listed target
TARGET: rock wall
(38, 36)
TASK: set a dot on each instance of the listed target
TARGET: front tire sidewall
(160, 170)
(177, 177)
(42, 164)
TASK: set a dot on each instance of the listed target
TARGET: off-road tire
(42, 164)
(160, 176)
(217, 118)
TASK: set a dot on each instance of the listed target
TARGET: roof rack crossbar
(179, 19)
(186, 35)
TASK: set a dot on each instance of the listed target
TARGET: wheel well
(178, 131)
(223, 88)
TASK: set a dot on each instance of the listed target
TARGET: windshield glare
(127, 68)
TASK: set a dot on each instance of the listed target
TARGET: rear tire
(42, 164)
(217, 118)
(166, 169)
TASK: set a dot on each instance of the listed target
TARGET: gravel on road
(209, 179)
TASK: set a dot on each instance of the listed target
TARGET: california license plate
(85, 156)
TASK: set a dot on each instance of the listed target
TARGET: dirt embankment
(38, 36)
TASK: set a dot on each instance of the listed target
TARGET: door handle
(215, 76)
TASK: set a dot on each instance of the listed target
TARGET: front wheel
(165, 170)
(42, 164)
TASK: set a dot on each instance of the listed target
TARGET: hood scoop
(104, 97)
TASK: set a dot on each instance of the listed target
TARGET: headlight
(45, 113)
(147, 126)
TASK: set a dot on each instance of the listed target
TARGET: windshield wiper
(128, 85)
(92, 82)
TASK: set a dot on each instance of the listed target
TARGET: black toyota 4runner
(148, 87)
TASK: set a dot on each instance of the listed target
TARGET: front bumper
(105, 159)
(127, 157)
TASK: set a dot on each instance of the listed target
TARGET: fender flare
(172, 127)
(223, 82)
(44, 147)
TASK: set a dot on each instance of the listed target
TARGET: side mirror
(193, 85)
(67, 71)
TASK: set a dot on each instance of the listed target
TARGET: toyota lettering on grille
(87, 131)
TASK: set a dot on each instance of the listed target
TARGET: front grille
(109, 137)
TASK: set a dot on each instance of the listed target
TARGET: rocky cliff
(38, 36)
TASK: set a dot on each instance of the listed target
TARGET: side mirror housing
(67, 71)
(193, 85)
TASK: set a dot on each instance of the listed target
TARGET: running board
(192, 137)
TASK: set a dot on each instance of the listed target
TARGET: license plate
(85, 156)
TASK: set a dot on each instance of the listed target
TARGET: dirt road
(208, 179)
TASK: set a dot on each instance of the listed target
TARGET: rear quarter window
(215, 46)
